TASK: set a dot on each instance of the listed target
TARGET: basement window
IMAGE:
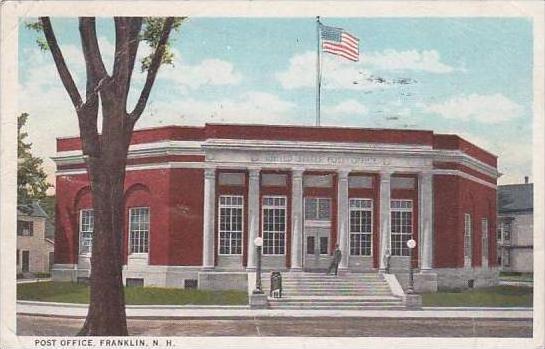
(190, 283)
(134, 282)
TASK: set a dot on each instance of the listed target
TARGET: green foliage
(499, 296)
(68, 292)
(40, 40)
(31, 178)
(151, 35)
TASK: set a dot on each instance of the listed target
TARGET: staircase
(351, 291)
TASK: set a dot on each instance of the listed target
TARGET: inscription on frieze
(322, 159)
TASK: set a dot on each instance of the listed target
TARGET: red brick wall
(186, 216)
(448, 246)
(453, 198)
(480, 202)
(72, 194)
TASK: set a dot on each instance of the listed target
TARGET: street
(284, 326)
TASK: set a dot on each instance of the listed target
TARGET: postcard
(195, 174)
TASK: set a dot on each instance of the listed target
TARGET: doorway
(25, 263)
(317, 234)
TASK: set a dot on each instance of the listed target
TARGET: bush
(42, 275)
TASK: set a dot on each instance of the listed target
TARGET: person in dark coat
(337, 255)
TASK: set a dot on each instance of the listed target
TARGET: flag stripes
(338, 42)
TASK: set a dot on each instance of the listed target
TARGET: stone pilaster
(253, 216)
(425, 197)
(297, 220)
(384, 217)
(208, 216)
(343, 218)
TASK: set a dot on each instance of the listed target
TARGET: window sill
(138, 256)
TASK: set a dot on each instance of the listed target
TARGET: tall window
(468, 245)
(86, 226)
(506, 230)
(25, 228)
(318, 209)
(484, 234)
(401, 213)
(274, 224)
(361, 226)
(139, 230)
(230, 224)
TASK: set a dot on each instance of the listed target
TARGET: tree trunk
(106, 314)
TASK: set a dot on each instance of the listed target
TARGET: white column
(297, 220)
(425, 203)
(253, 217)
(384, 217)
(342, 218)
(209, 213)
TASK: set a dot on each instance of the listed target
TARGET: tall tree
(106, 153)
(31, 178)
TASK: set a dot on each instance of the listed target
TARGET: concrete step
(341, 307)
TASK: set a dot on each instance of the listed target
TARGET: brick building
(196, 197)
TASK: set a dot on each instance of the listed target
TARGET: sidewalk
(230, 312)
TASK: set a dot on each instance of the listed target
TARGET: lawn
(498, 296)
(68, 292)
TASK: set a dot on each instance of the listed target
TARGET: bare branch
(126, 45)
(152, 71)
(96, 72)
(64, 73)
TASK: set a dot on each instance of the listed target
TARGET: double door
(317, 234)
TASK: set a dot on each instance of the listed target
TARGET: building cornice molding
(169, 148)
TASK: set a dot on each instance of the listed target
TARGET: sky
(466, 76)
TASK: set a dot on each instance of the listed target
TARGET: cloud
(426, 61)
(346, 107)
(210, 71)
(249, 107)
(488, 109)
(514, 156)
(338, 73)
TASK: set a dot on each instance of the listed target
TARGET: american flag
(340, 43)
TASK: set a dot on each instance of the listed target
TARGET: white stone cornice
(464, 175)
(137, 151)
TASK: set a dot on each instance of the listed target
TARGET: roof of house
(515, 198)
(33, 209)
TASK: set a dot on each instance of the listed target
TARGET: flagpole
(318, 71)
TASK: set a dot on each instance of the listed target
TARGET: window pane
(401, 226)
(230, 224)
(311, 208)
(139, 230)
(323, 244)
(274, 225)
(310, 245)
(324, 209)
(360, 226)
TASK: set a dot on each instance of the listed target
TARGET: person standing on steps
(337, 255)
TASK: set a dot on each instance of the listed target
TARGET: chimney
(525, 179)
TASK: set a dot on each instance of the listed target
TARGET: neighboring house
(515, 227)
(34, 246)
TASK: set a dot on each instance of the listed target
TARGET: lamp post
(258, 242)
(411, 244)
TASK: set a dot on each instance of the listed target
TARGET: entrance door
(317, 234)
(25, 262)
